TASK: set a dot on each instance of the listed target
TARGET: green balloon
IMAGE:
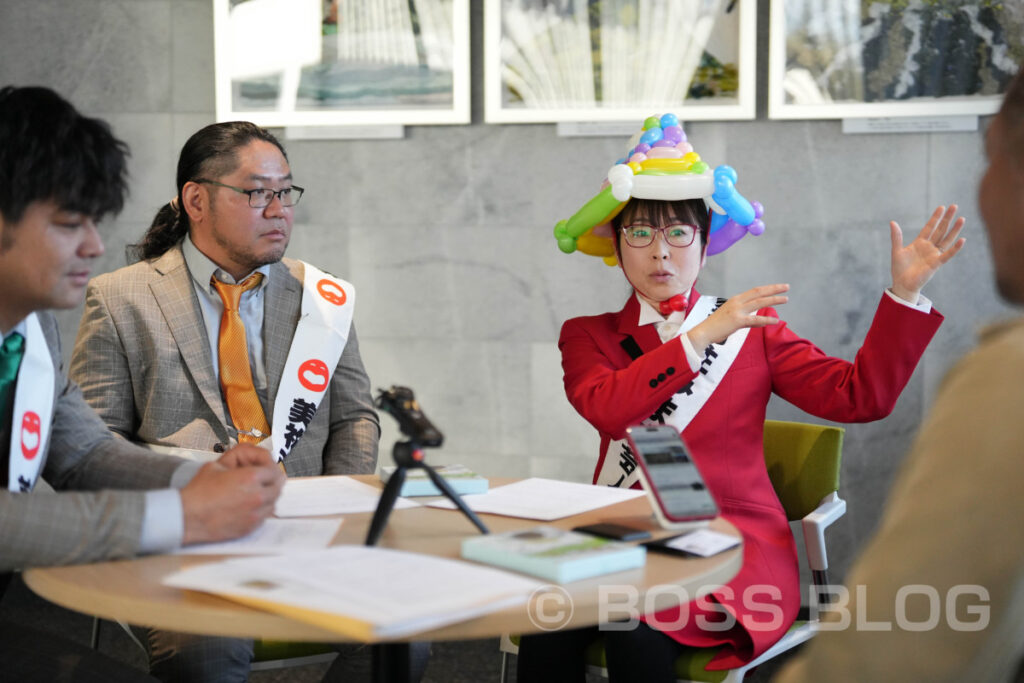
(592, 213)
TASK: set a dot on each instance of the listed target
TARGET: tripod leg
(447, 490)
(385, 505)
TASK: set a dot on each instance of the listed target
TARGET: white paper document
(543, 499)
(274, 537)
(314, 496)
(364, 593)
(703, 542)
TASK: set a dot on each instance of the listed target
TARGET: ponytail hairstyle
(210, 153)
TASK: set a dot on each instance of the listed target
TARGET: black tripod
(407, 455)
(400, 402)
(391, 660)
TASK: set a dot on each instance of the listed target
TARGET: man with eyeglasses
(213, 336)
(60, 173)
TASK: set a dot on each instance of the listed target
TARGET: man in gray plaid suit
(59, 174)
(149, 349)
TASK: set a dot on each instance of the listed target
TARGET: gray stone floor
(451, 662)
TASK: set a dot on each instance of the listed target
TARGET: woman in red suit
(708, 367)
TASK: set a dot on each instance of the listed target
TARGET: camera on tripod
(400, 402)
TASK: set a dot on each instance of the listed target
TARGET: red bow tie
(676, 303)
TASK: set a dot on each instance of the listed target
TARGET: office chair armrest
(831, 508)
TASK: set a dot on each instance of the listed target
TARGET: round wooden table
(131, 590)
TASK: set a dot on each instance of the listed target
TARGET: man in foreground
(943, 578)
(60, 173)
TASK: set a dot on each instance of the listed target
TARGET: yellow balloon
(678, 165)
(591, 244)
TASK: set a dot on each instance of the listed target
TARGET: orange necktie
(235, 373)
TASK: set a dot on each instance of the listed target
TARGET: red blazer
(613, 391)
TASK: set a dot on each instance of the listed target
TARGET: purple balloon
(730, 233)
(674, 133)
(663, 143)
(642, 148)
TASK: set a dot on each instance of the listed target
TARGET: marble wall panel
(556, 429)
(475, 392)
(810, 176)
(441, 283)
(106, 56)
(192, 73)
(326, 247)
(151, 166)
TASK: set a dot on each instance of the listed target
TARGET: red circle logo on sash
(31, 435)
(332, 291)
(313, 375)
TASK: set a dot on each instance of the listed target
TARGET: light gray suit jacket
(143, 361)
(82, 455)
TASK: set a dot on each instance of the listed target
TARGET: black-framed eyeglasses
(641, 235)
(261, 197)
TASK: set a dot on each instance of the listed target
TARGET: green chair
(267, 654)
(803, 464)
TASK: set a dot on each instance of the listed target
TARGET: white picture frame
(387, 62)
(842, 59)
(542, 63)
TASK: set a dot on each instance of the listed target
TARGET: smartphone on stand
(677, 492)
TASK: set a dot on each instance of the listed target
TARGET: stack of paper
(273, 537)
(544, 499)
(361, 592)
(335, 495)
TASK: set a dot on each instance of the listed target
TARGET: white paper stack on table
(361, 592)
(332, 495)
(274, 537)
(543, 499)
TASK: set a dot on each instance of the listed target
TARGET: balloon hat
(661, 164)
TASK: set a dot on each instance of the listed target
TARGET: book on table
(417, 482)
(554, 554)
(361, 592)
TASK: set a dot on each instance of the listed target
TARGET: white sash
(679, 410)
(33, 410)
(320, 337)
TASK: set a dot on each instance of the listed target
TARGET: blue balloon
(728, 197)
(651, 135)
(669, 120)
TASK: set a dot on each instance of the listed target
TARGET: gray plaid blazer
(143, 361)
(81, 523)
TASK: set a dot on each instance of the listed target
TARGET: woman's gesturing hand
(915, 264)
(737, 313)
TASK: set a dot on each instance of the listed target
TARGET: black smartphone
(619, 532)
(674, 485)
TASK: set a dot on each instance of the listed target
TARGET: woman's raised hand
(915, 264)
(737, 313)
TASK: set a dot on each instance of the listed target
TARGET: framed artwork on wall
(888, 58)
(342, 62)
(618, 60)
